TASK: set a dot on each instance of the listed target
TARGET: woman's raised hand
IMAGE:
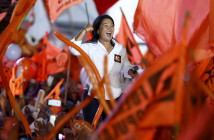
(88, 27)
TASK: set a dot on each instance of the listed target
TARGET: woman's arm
(82, 33)
(78, 39)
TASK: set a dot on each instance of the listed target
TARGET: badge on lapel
(117, 58)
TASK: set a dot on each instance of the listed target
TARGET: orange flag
(57, 59)
(56, 7)
(126, 38)
(16, 84)
(160, 25)
(41, 61)
(154, 99)
(211, 22)
(55, 94)
(50, 60)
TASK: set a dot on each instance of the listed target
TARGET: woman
(102, 44)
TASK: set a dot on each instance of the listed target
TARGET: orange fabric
(164, 111)
(126, 38)
(7, 73)
(56, 7)
(202, 66)
(211, 20)
(16, 84)
(50, 60)
(75, 67)
(160, 25)
(200, 127)
(41, 61)
(208, 74)
(55, 94)
(154, 99)
(143, 104)
(154, 22)
(88, 36)
(6, 36)
(57, 58)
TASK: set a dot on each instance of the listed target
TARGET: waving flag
(154, 99)
(41, 61)
(126, 38)
(104, 5)
(160, 23)
(56, 7)
(151, 101)
(50, 60)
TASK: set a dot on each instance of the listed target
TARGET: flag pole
(67, 78)
(86, 8)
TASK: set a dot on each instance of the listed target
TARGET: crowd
(41, 118)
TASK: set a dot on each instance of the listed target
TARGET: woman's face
(106, 30)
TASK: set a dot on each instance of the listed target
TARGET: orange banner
(56, 7)
(160, 24)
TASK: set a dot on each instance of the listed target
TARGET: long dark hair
(96, 26)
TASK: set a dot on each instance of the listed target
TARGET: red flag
(56, 7)
(104, 5)
(160, 24)
(126, 38)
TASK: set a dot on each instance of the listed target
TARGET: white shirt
(97, 52)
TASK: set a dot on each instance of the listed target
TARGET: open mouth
(109, 34)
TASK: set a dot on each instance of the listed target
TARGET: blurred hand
(133, 73)
(89, 27)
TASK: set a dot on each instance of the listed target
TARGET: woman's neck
(107, 45)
